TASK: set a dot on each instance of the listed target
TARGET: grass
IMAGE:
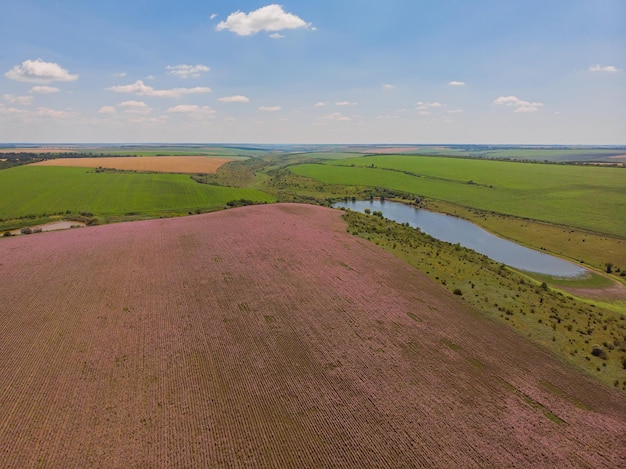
(590, 198)
(525, 153)
(35, 191)
(577, 245)
(567, 326)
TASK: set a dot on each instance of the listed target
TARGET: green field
(590, 198)
(570, 154)
(33, 191)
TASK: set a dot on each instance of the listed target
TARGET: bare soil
(266, 336)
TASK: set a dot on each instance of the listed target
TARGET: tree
(609, 267)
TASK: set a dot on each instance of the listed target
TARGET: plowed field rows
(160, 164)
(266, 336)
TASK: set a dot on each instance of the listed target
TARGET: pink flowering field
(267, 336)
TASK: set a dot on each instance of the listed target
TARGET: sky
(328, 71)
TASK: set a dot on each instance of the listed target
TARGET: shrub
(457, 291)
(598, 351)
(26, 230)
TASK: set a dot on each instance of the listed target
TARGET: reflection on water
(455, 230)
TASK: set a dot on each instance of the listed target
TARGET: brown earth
(162, 164)
(266, 336)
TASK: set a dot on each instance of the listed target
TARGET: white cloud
(135, 107)
(270, 108)
(270, 18)
(53, 113)
(38, 71)
(345, 103)
(120, 74)
(455, 111)
(44, 89)
(424, 107)
(519, 104)
(107, 110)
(320, 104)
(213, 16)
(192, 109)
(277, 36)
(388, 86)
(11, 110)
(21, 100)
(457, 83)
(234, 99)
(186, 71)
(337, 116)
(605, 68)
(141, 89)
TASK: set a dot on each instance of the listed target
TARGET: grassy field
(566, 326)
(159, 164)
(523, 153)
(33, 191)
(591, 198)
(586, 248)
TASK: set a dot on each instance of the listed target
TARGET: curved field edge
(583, 247)
(571, 328)
(281, 341)
(563, 195)
(29, 191)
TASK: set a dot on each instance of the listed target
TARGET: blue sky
(329, 71)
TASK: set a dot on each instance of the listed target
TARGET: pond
(456, 230)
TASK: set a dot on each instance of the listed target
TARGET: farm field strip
(218, 340)
(30, 190)
(162, 164)
(591, 198)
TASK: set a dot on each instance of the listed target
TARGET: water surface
(456, 230)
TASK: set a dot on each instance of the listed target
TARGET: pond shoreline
(456, 230)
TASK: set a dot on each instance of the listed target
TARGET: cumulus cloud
(186, 71)
(345, 103)
(604, 68)
(270, 18)
(425, 107)
(51, 113)
(270, 108)
(107, 110)
(337, 116)
(141, 89)
(38, 71)
(135, 107)
(11, 110)
(320, 104)
(44, 89)
(388, 86)
(192, 109)
(277, 36)
(457, 83)
(234, 99)
(519, 104)
(20, 100)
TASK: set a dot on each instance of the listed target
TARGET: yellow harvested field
(160, 164)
